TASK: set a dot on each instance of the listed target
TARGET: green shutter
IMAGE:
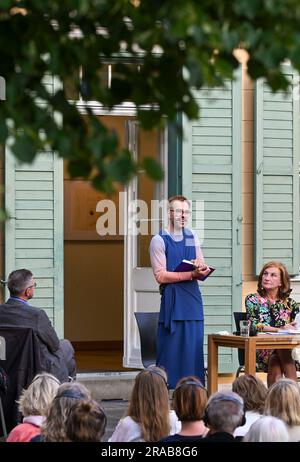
(174, 158)
(276, 202)
(34, 233)
(212, 174)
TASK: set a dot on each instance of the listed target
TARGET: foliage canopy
(162, 37)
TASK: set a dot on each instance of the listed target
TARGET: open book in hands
(187, 265)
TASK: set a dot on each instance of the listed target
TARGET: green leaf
(24, 148)
(153, 168)
(122, 167)
(103, 183)
(3, 132)
(79, 168)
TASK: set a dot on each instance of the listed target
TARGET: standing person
(57, 356)
(180, 326)
(269, 310)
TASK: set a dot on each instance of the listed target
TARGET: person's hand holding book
(201, 270)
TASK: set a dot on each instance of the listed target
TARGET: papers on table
(290, 331)
(284, 332)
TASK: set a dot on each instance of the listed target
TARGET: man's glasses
(32, 285)
(185, 213)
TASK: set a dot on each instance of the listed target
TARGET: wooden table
(250, 345)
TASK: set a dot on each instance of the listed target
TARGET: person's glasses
(32, 285)
(185, 213)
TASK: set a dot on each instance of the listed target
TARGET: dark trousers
(63, 365)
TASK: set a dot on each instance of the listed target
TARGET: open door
(142, 221)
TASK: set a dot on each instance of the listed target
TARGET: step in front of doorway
(108, 385)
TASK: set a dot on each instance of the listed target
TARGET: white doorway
(141, 290)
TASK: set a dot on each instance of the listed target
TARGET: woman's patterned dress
(261, 310)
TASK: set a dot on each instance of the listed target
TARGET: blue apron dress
(180, 326)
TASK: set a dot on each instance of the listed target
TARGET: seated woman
(283, 402)
(254, 392)
(268, 429)
(269, 310)
(86, 422)
(189, 402)
(34, 404)
(148, 417)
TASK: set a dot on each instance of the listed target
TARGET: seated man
(57, 356)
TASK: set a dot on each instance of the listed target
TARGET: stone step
(108, 385)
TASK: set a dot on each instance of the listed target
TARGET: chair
(3, 385)
(21, 362)
(240, 316)
(147, 324)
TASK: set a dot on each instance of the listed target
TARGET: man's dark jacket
(19, 314)
(30, 352)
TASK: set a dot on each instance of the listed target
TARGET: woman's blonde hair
(54, 428)
(283, 401)
(284, 290)
(36, 399)
(189, 399)
(149, 404)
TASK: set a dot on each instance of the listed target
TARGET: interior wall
(94, 267)
(94, 290)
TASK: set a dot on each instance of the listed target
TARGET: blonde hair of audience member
(149, 404)
(54, 428)
(86, 422)
(36, 399)
(267, 429)
(189, 402)
(252, 390)
(34, 404)
(283, 401)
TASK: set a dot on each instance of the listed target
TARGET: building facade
(239, 164)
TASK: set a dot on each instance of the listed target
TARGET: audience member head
(267, 429)
(224, 412)
(284, 290)
(86, 422)
(189, 399)
(252, 390)
(54, 428)
(283, 401)
(21, 284)
(37, 398)
(149, 404)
